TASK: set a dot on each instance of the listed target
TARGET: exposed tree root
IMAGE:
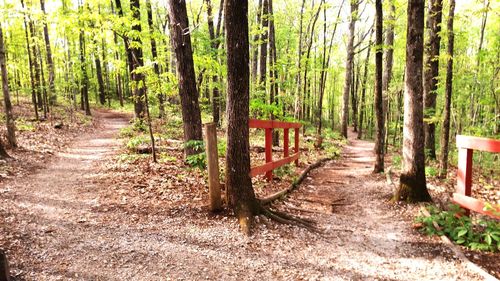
(295, 184)
(290, 220)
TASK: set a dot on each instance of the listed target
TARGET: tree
(137, 62)
(412, 187)
(84, 90)
(48, 50)
(445, 131)
(30, 62)
(238, 181)
(379, 111)
(9, 117)
(348, 67)
(181, 44)
(154, 53)
(431, 74)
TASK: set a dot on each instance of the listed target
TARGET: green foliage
(483, 235)
(198, 160)
(24, 126)
(221, 148)
(431, 171)
(137, 141)
(285, 171)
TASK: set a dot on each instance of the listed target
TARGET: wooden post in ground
(4, 267)
(269, 152)
(297, 145)
(213, 166)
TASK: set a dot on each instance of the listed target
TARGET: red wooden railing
(466, 146)
(270, 165)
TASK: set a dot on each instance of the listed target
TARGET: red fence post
(269, 151)
(286, 142)
(297, 145)
(464, 173)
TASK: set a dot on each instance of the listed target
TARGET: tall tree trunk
(379, 110)
(326, 64)
(255, 45)
(238, 181)
(431, 74)
(445, 133)
(118, 76)
(85, 78)
(31, 63)
(273, 71)
(9, 117)
(214, 43)
(263, 46)
(128, 50)
(348, 67)
(36, 65)
(50, 62)
(354, 97)
(137, 62)
(362, 105)
(154, 53)
(100, 80)
(389, 50)
(297, 111)
(412, 187)
(181, 44)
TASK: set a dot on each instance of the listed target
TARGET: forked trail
(58, 231)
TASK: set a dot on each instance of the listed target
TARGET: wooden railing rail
(463, 195)
(270, 165)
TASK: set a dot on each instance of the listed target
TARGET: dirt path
(59, 229)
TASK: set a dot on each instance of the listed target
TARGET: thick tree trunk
(379, 110)
(181, 44)
(50, 62)
(431, 74)
(412, 187)
(9, 117)
(389, 50)
(445, 131)
(238, 181)
(348, 68)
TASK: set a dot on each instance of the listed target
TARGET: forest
(312, 140)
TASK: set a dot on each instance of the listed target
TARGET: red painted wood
(297, 145)
(262, 169)
(475, 205)
(269, 151)
(476, 143)
(464, 172)
(286, 142)
(265, 124)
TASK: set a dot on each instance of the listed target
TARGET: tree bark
(100, 80)
(412, 187)
(50, 62)
(238, 182)
(85, 78)
(379, 110)
(139, 88)
(181, 44)
(445, 133)
(9, 117)
(297, 111)
(156, 66)
(263, 46)
(256, 37)
(431, 74)
(363, 89)
(389, 49)
(273, 71)
(348, 67)
(30, 61)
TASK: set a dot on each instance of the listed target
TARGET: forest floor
(81, 218)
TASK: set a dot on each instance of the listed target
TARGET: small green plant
(198, 160)
(483, 235)
(24, 126)
(431, 171)
(396, 161)
(221, 148)
(284, 171)
(135, 142)
(127, 132)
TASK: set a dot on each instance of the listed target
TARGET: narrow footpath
(58, 229)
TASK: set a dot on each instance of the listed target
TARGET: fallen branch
(472, 266)
(295, 184)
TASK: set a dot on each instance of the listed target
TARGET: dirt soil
(61, 224)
